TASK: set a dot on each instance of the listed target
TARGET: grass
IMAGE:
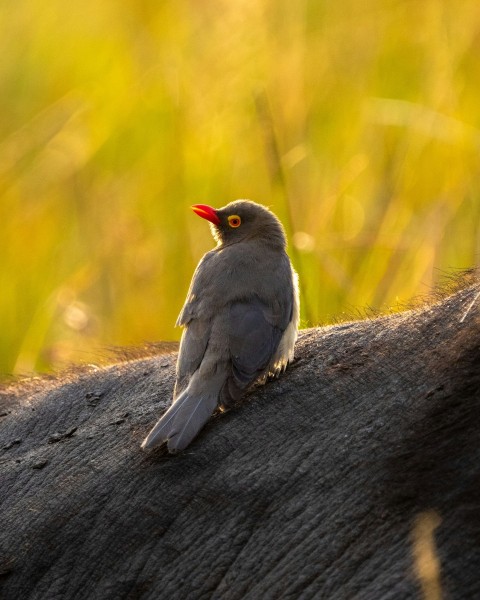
(357, 123)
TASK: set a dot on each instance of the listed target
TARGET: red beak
(206, 212)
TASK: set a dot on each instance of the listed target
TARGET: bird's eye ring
(234, 221)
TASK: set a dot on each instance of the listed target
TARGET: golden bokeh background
(356, 122)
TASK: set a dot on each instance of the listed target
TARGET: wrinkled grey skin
(312, 488)
(240, 321)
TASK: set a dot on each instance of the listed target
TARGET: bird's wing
(192, 350)
(254, 333)
(197, 328)
(279, 311)
(201, 281)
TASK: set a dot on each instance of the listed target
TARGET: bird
(240, 320)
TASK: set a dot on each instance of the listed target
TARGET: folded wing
(254, 333)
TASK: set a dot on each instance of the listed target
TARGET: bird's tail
(182, 421)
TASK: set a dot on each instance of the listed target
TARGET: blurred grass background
(356, 122)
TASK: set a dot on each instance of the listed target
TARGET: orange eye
(234, 221)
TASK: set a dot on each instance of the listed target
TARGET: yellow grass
(356, 122)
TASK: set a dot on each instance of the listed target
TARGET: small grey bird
(240, 318)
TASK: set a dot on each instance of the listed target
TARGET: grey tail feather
(182, 421)
(159, 433)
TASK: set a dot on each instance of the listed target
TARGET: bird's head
(243, 220)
